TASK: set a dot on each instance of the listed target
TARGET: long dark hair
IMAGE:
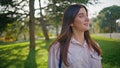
(66, 32)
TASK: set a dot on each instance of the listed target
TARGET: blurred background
(27, 27)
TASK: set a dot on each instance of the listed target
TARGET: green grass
(17, 55)
(111, 51)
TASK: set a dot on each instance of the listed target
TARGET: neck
(79, 36)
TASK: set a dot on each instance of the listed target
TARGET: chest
(78, 54)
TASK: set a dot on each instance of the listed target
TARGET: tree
(12, 11)
(4, 20)
(19, 13)
(94, 25)
(43, 23)
(31, 24)
(107, 18)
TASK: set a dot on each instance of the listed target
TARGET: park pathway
(113, 35)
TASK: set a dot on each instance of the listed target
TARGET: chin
(87, 29)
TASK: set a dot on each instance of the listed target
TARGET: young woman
(74, 47)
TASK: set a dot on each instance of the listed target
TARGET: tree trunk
(57, 30)
(24, 35)
(44, 29)
(43, 23)
(31, 24)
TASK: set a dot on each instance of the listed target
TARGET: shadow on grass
(42, 53)
(44, 46)
(4, 43)
(11, 56)
(14, 42)
(30, 62)
(17, 55)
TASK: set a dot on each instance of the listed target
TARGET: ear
(71, 24)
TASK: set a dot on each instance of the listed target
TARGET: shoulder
(54, 47)
(54, 50)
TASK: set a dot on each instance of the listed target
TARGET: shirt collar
(74, 41)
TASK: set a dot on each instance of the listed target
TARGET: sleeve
(53, 56)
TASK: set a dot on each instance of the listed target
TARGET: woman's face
(81, 21)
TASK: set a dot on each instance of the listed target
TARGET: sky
(92, 9)
(95, 9)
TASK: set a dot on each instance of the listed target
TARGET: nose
(86, 19)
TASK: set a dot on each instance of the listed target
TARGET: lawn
(111, 51)
(17, 55)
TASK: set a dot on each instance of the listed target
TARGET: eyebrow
(82, 13)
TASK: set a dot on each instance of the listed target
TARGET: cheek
(82, 20)
(78, 23)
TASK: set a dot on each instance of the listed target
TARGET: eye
(81, 16)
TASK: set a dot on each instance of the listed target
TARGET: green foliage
(4, 20)
(73, 1)
(6, 2)
(6, 15)
(95, 25)
(10, 12)
(107, 18)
